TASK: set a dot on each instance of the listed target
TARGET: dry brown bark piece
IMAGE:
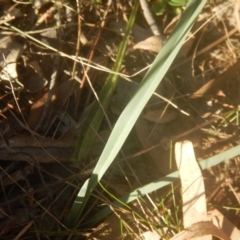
(35, 149)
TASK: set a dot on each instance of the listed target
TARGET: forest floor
(55, 58)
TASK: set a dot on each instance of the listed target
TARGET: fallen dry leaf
(153, 43)
(193, 191)
(223, 223)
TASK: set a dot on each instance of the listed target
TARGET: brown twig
(78, 39)
(149, 17)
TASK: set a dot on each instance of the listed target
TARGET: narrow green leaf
(95, 117)
(94, 120)
(164, 181)
(150, 82)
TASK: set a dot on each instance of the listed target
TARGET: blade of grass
(96, 114)
(164, 181)
(130, 114)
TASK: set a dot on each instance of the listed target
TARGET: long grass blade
(164, 181)
(95, 117)
(130, 114)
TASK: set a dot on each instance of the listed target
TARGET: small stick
(149, 17)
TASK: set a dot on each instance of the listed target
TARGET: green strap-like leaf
(95, 117)
(164, 181)
(132, 111)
